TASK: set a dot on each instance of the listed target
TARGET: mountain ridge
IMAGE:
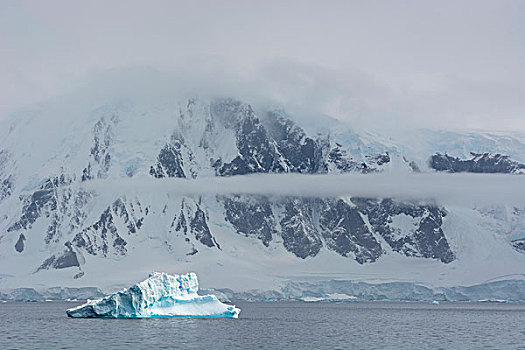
(63, 229)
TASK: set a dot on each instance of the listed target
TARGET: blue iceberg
(160, 296)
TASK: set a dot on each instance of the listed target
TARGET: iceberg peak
(160, 295)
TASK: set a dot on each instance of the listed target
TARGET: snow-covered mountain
(55, 231)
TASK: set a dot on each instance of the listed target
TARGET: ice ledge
(160, 296)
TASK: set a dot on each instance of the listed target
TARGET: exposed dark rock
(67, 259)
(42, 201)
(301, 153)
(414, 167)
(6, 179)
(344, 163)
(6, 187)
(103, 236)
(272, 144)
(169, 162)
(19, 246)
(181, 223)
(94, 239)
(345, 231)
(338, 159)
(342, 226)
(199, 227)
(378, 159)
(277, 144)
(192, 252)
(69, 214)
(100, 158)
(86, 173)
(119, 208)
(426, 239)
(479, 163)
(298, 230)
(216, 243)
(54, 200)
(519, 244)
(33, 207)
(250, 216)
(79, 275)
(257, 153)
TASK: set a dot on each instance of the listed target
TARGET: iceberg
(160, 296)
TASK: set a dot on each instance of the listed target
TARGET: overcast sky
(451, 64)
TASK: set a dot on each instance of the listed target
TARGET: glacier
(160, 296)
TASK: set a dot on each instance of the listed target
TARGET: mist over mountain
(262, 174)
(138, 171)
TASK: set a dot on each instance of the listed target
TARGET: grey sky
(452, 64)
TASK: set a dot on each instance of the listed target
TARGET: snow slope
(56, 231)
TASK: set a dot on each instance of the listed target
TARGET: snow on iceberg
(161, 295)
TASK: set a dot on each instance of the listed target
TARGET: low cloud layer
(446, 64)
(457, 189)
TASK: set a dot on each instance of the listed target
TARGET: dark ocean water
(275, 325)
